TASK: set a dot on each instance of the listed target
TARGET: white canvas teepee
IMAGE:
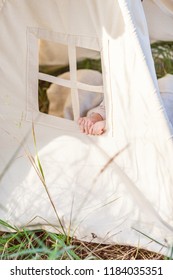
(116, 187)
(159, 14)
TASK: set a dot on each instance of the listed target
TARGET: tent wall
(133, 195)
(159, 15)
(154, 11)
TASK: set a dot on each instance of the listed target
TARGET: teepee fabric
(166, 90)
(159, 15)
(114, 188)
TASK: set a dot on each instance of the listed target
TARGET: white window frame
(33, 74)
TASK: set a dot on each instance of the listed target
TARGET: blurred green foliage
(163, 58)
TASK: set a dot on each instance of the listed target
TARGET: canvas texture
(117, 186)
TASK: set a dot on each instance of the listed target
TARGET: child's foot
(92, 124)
(98, 128)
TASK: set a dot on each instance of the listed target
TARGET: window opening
(88, 59)
(72, 88)
(53, 74)
(89, 71)
(42, 96)
(53, 58)
(89, 100)
(60, 103)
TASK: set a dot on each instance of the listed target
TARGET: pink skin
(93, 124)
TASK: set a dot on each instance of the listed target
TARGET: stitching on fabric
(110, 90)
(26, 71)
(73, 78)
(59, 37)
(32, 83)
(65, 34)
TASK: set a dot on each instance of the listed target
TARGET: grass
(42, 245)
(25, 244)
(35, 245)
